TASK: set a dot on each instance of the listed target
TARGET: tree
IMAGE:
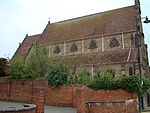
(21, 71)
(38, 59)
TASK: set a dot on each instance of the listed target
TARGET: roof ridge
(34, 35)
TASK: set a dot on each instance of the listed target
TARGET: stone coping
(126, 101)
(22, 107)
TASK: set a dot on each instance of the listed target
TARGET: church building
(110, 41)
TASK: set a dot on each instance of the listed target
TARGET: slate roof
(115, 56)
(26, 45)
(114, 21)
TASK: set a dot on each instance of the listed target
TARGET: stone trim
(126, 101)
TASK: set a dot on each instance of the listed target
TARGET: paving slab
(56, 109)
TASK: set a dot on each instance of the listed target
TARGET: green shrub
(145, 85)
(57, 75)
(19, 70)
(104, 81)
(137, 84)
(84, 78)
(131, 84)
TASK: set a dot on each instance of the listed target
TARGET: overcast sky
(19, 17)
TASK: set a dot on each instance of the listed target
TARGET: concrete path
(55, 109)
(147, 110)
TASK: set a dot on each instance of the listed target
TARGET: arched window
(132, 40)
(74, 48)
(92, 44)
(114, 43)
(130, 71)
(57, 50)
(111, 72)
(148, 99)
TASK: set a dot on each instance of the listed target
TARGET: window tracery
(57, 50)
(114, 43)
(74, 48)
(92, 44)
(130, 71)
(132, 40)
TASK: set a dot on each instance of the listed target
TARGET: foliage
(72, 79)
(131, 84)
(38, 59)
(104, 81)
(3, 67)
(134, 83)
(145, 85)
(84, 78)
(21, 71)
(57, 75)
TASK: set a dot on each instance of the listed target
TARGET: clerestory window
(74, 48)
(92, 44)
(114, 43)
(130, 71)
(132, 40)
(57, 50)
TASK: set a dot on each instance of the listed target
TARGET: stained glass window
(130, 71)
(132, 40)
(74, 48)
(92, 45)
(57, 50)
(114, 43)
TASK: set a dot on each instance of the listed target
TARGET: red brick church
(111, 41)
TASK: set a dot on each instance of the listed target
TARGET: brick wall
(29, 92)
(113, 107)
(85, 95)
(40, 93)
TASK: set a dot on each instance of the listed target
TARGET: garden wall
(79, 96)
(29, 92)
